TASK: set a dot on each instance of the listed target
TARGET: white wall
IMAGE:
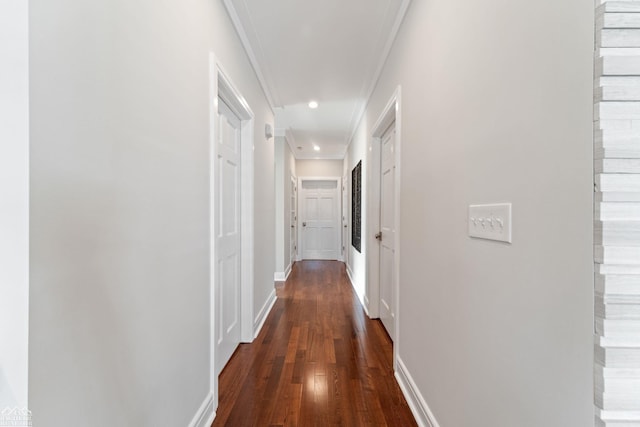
(496, 107)
(120, 211)
(319, 168)
(14, 203)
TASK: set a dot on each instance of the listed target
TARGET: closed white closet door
(320, 219)
(345, 218)
(293, 208)
(227, 267)
(387, 229)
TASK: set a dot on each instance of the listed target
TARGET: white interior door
(387, 229)
(345, 218)
(228, 235)
(293, 208)
(320, 219)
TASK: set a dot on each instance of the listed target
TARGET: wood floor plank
(318, 361)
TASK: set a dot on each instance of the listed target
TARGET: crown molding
(358, 112)
(402, 11)
(244, 39)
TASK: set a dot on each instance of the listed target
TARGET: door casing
(338, 212)
(221, 86)
(293, 218)
(344, 223)
(390, 114)
(386, 243)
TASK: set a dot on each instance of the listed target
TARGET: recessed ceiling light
(315, 147)
(313, 104)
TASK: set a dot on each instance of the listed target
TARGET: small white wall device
(491, 222)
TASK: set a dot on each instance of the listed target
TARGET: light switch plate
(492, 222)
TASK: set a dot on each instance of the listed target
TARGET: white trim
(237, 24)
(206, 413)
(344, 216)
(390, 114)
(362, 298)
(358, 114)
(372, 259)
(222, 86)
(293, 252)
(258, 323)
(349, 273)
(339, 212)
(291, 140)
(366, 304)
(280, 276)
(289, 268)
(14, 204)
(421, 411)
(402, 11)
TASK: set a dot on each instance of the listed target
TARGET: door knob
(304, 224)
(379, 235)
(293, 226)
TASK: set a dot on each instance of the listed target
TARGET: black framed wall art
(356, 207)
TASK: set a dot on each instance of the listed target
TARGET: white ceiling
(331, 51)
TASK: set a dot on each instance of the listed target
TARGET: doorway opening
(345, 219)
(231, 220)
(383, 249)
(319, 218)
(293, 221)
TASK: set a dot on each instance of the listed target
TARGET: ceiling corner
(244, 39)
(402, 11)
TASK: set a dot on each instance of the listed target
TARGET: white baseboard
(264, 312)
(362, 298)
(206, 413)
(421, 411)
(279, 276)
(287, 272)
(365, 304)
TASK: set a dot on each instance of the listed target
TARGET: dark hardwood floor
(318, 361)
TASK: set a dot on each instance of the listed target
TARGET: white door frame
(390, 113)
(339, 210)
(293, 252)
(222, 86)
(344, 219)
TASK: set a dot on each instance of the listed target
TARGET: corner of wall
(421, 411)
(264, 313)
(206, 413)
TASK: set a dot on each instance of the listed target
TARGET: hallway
(319, 360)
(154, 153)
